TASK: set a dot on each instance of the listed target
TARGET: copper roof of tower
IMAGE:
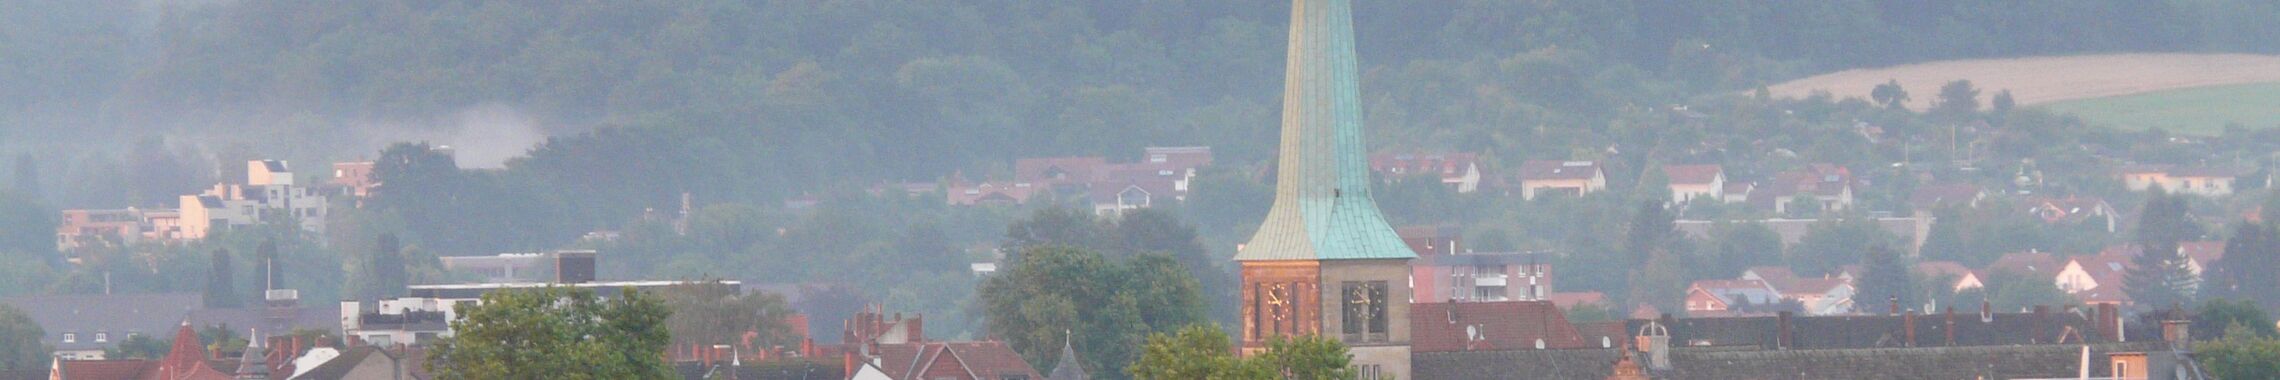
(1322, 208)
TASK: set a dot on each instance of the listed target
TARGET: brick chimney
(1951, 326)
(1909, 320)
(2178, 333)
(2109, 322)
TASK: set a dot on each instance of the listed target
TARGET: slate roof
(1477, 326)
(154, 315)
(771, 370)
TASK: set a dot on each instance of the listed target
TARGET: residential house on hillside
(1459, 171)
(1572, 178)
(1716, 298)
(354, 178)
(2199, 254)
(992, 194)
(2074, 211)
(1690, 183)
(1827, 295)
(2030, 264)
(116, 227)
(1827, 186)
(1963, 277)
(2203, 181)
(2096, 279)
(268, 194)
(1160, 177)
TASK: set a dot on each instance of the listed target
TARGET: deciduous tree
(20, 347)
(556, 333)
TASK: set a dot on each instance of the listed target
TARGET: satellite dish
(1472, 332)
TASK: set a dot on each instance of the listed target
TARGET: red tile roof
(1491, 326)
(2032, 264)
(1692, 174)
(106, 369)
(985, 360)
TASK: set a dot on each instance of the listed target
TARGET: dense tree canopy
(20, 347)
(1112, 305)
(556, 333)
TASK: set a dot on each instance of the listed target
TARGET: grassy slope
(2197, 110)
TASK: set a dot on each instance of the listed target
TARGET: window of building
(70, 338)
(1363, 304)
(1369, 372)
(102, 337)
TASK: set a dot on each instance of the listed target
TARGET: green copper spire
(1323, 209)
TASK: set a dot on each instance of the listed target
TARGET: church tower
(1325, 261)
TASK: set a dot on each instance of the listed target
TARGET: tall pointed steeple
(1325, 261)
(1322, 209)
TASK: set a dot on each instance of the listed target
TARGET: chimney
(1986, 312)
(2109, 321)
(918, 328)
(1892, 302)
(1781, 332)
(2042, 320)
(573, 267)
(1951, 326)
(1909, 326)
(2178, 333)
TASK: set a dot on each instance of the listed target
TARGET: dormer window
(1156, 158)
(102, 337)
(70, 337)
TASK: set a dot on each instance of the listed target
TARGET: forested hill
(794, 95)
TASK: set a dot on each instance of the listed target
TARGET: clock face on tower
(1278, 303)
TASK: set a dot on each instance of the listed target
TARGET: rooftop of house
(2023, 361)
(1692, 174)
(115, 315)
(1738, 291)
(2032, 263)
(1436, 163)
(1817, 179)
(1488, 326)
(1541, 170)
(977, 360)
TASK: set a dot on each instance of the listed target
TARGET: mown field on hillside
(2198, 110)
(2047, 80)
